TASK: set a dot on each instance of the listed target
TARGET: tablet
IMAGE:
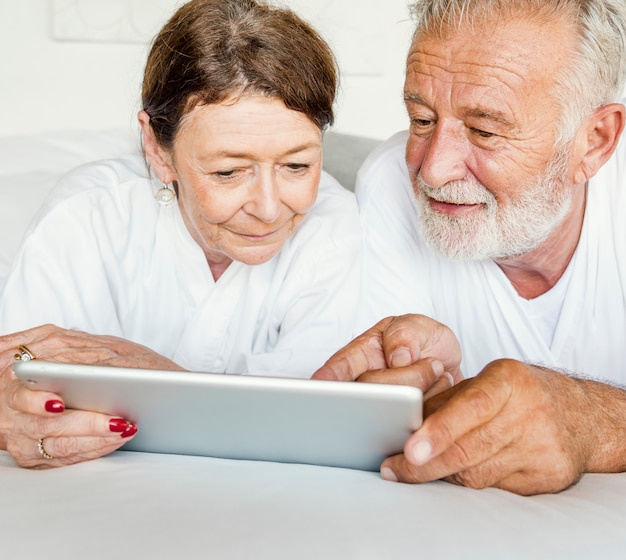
(331, 423)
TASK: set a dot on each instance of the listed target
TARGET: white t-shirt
(105, 258)
(578, 326)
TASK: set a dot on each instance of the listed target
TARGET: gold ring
(23, 354)
(42, 450)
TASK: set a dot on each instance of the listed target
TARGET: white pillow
(31, 165)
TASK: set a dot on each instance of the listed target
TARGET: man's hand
(517, 427)
(407, 350)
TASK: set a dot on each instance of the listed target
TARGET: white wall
(48, 84)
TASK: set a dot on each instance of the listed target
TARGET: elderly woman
(233, 253)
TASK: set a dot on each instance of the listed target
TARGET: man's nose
(446, 154)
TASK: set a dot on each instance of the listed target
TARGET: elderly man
(502, 214)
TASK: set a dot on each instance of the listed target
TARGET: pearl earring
(165, 196)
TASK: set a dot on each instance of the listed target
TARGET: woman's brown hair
(211, 50)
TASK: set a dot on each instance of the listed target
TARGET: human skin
(247, 170)
(418, 351)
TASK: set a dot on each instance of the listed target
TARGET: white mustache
(467, 191)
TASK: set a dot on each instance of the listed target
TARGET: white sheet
(136, 505)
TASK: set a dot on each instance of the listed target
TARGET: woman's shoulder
(106, 191)
(101, 179)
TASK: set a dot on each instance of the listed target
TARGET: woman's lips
(256, 236)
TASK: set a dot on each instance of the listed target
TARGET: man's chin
(486, 247)
(456, 252)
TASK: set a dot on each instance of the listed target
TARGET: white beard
(495, 231)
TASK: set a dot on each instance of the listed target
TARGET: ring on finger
(42, 450)
(24, 354)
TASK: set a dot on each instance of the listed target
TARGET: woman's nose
(264, 201)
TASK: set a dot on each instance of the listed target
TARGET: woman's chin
(257, 255)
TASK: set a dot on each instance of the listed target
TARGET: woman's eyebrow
(247, 155)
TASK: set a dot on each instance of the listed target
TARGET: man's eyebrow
(413, 98)
(489, 115)
(477, 112)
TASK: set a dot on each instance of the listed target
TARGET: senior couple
(493, 239)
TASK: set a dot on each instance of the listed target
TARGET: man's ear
(160, 160)
(601, 133)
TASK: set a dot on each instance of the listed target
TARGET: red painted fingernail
(130, 431)
(118, 425)
(55, 406)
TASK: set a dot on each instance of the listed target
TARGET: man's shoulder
(386, 158)
(333, 219)
(391, 150)
(384, 177)
(383, 183)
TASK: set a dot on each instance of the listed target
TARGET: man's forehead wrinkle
(512, 66)
(462, 80)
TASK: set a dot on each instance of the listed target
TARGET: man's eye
(297, 166)
(229, 173)
(422, 122)
(482, 133)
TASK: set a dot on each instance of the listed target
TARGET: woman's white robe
(105, 258)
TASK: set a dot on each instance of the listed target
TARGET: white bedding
(30, 167)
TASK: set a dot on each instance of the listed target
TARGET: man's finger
(474, 405)
(409, 338)
(492, 471)
(423, 375)
(364, 353)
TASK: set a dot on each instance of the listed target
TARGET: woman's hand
(54, 344)
(35, 427)
(67, 436)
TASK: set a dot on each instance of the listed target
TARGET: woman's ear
(601, 134)
(160, 159)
